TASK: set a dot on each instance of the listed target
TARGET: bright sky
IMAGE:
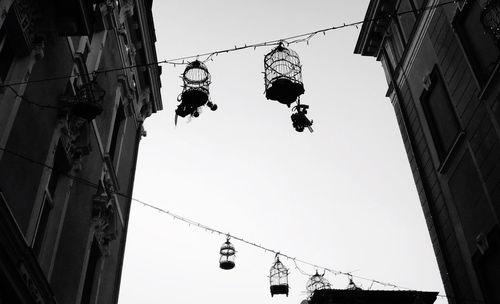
(342, 197)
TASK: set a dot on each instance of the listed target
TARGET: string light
(219, 232)
(209, 55)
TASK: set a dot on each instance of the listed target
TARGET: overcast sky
(342, 197)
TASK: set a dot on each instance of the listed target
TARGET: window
(440, 115)
(60, 165)
(6, 54)
(391, 55)
(397, 40)
(115, 145)
(487, 266)
(407, 18)
(480, 48)
(91, 275)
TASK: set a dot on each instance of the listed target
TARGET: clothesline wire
(209, 55)
(190, 222)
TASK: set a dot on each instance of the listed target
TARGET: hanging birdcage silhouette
(195, 90)
(278, 277)
(283, 75)
(317, 282)
(227, 252)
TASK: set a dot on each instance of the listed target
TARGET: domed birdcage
(278, 276)
(352, 285)
(89, 99)
(227, 252)
(195, 92)
(283, 75)
(317, 282)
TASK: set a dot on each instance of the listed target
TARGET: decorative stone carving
(104, 220)
(126, 10)
(38, 49)
(482, 243)
(427, 82)
(75, 138)
(145, 104)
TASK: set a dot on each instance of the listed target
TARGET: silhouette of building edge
(360, 296)
(442, 70)
(68, 146)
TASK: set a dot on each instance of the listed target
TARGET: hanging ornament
(195, 93)
(227, 252)
(299, 118)
(283, 75)
(317, 282)
(278, 276)
(351, 285)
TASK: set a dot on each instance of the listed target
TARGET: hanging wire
(213, 230)
(306, 37)
(23, 98)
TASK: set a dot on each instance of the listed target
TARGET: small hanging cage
(227, 252)
(278, 276)
(195, 92)
(89, 99)
(352, 285)
(317, 282)
(490, 19)
(283, 75)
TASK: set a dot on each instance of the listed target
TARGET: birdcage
(227, 252)
(317, 282)
(89, 99)
(278, 276)
(352, 285)
(283, 75)
(195, 92)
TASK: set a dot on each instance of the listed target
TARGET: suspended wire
(306, 37)
(209, 56)
(226, 234)
(23, 98)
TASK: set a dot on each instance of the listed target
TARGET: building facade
(77, 81)
(441, 62)
(359, 296)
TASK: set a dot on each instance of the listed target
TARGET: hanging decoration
(195, 93)
(352, 285)
(283, 83)
(227, 252)
(283, 75)
(317, 282)
(278, 276)
(299, 118)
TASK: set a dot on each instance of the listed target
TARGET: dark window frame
(60, 166)
(482, 78)
(443, 153)
(7, 54)
(406, 36)
(92, 272)
(117, 133)
(480, 259)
